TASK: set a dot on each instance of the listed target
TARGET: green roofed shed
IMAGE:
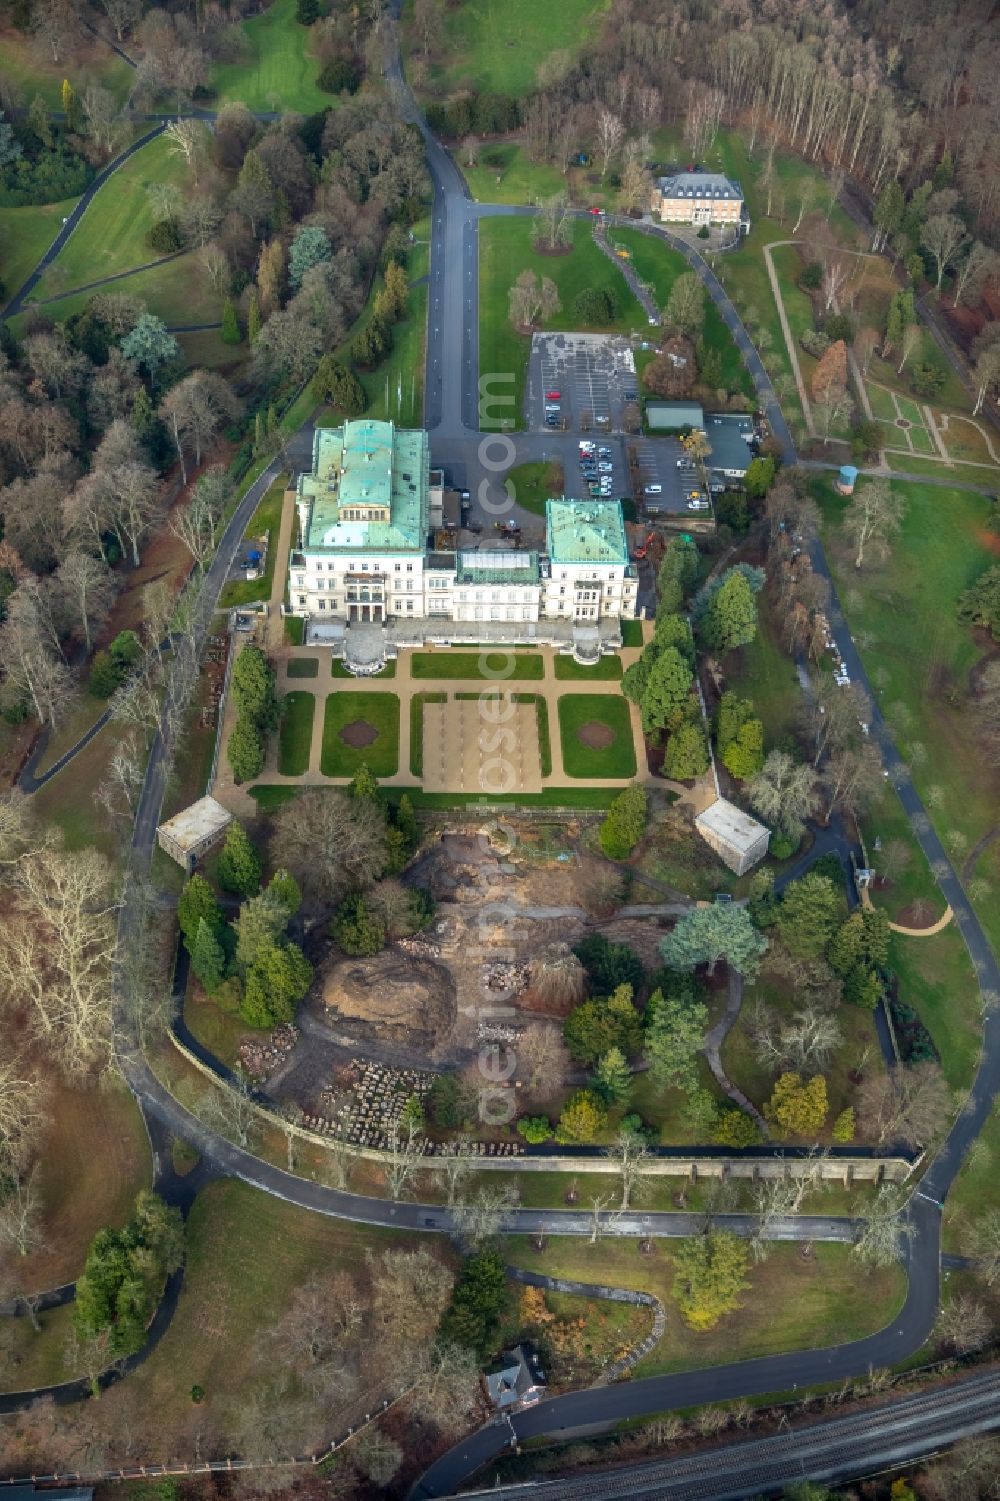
(671, 416)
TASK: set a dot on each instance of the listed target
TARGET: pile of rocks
(425, 947)
(375, 1103)
(260, 1058)
(511, 979)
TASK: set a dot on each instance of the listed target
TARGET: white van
(654, 490)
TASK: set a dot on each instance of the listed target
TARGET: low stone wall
(843, 1170)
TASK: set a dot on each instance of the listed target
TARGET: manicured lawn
(297, 711)
(534, 484)
(919, 655)
(302, 667)
(764, 673)
(497, 49)
(490, 666)
(631, 633)
(357, 713)
(659, 266)
(544, 739)
(276, 71)
(266, 518)
(936, 978)
(791, 1303)
(552, 797)
(598, 715)
(295, 629)
(604, 670)
(417, 702)
(111, 236)
(881, 402)
(25, 235)
(505, 250)
(338, 670)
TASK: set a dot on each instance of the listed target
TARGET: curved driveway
(452, 407)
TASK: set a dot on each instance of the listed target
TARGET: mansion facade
(364, 554)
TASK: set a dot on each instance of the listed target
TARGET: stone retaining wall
(844, 1170)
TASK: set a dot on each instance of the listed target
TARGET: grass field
(111, 236)
(764, 673)
(505, 250)
(491, 48)
(25, 235)
(511, 176)
(490, 666)
(381, 712)
(542, 719)
(659, 267)
(176, 290)
(534, 484)
(232, 1293)
(791, 1303)
(297, 712)
(605, 669)
(631, 633)
(338, 670)
(29, 67)
(276, 72)
(94, 1160)
(919, 655)
(417, 702)
(579, 711)
(302, 667)
(266, 518)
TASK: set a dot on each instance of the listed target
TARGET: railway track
(903, 1431)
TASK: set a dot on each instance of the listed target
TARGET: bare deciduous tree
(963, 1325)
(21, 1216)
(873, 518)
(630, 1156)
(482, 1218)
(910, 1105)
(610, 134)
(56, 960)
(454, 1164)
(879, 1241)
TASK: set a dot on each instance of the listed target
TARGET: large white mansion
(364, 552)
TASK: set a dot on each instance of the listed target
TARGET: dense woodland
(101, 421)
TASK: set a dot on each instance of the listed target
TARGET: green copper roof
(585, 531)
(366, 463)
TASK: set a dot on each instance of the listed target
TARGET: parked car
(654, 490)
(552, 396)
(697, 505)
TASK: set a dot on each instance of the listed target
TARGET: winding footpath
(452, 414)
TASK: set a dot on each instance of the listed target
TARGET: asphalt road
(452, 413)
(900, 1430)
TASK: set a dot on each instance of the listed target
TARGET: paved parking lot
(593, 373)
(663, 462)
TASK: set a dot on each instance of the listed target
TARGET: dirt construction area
(483, 744)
